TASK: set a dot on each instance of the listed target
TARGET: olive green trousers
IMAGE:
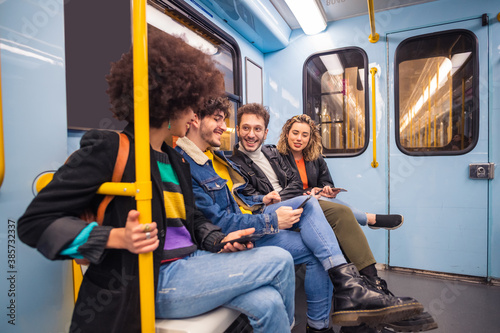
(351, 238)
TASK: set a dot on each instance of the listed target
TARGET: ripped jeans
(259, 283)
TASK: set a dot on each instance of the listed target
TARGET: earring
(169, 124)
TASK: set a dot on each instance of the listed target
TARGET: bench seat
(215, 321)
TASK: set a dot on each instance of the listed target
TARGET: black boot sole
(420, 323)
(377, 316)
(413, 328)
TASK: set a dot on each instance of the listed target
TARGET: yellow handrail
(374, 163)
(374, 36)
(123, 189)
(2, 154)
(142, 156)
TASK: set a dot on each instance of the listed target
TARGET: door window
(437, 106)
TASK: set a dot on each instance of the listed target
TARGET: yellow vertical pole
(142, 157)
(374, 163)
(374, 36)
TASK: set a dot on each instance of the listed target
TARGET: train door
(438, 131)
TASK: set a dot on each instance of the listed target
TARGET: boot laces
(379, 283)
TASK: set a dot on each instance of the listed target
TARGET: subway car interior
(406, 95)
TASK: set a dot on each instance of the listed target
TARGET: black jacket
(108, 300)
(317, 171)
(258, 183)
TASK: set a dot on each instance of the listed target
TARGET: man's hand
(237, 246)
(287, 216)
(271, 198)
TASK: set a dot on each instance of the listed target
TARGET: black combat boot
(419, 323)
(324, 330)
(357, 302)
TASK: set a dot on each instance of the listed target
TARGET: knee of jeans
(312, 208)
(280, 257)
(270, 303)
(279, 254)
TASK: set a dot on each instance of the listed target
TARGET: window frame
(475, 94)
(309, 109)
(208, 27)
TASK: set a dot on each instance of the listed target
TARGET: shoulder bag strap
(121, 161)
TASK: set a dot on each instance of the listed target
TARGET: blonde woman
(300, 143)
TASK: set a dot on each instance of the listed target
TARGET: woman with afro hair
(191, 277)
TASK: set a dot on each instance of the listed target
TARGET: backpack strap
(121, 161)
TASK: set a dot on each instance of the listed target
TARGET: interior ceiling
(340, 9)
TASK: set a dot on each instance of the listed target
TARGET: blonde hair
(314, 148)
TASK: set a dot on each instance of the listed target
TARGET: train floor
(457, 306)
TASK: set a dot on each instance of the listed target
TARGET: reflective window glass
(436, 97)
(171, 19)
(228, 138)
(336, 99)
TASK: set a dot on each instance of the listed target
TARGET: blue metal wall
(368, 187)
(34, 113)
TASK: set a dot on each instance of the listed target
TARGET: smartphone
(241, 240)
(304, 202)
(339, 189)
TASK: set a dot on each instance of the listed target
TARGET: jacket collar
(192, 150)
(130, 130)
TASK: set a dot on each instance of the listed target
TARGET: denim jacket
(213, 198)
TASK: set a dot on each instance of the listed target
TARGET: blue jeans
(358, 214)
(259, 283)
(317, 247)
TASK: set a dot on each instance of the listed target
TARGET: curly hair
(180, 77)
(253, 108)
(216, 104)
(314, 147)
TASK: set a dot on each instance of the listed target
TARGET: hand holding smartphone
(304, 202)
(241, 240)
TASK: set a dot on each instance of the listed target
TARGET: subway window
(176, 18)
(436, 97)
(336, 98)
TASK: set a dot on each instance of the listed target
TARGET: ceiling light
(308, 14)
